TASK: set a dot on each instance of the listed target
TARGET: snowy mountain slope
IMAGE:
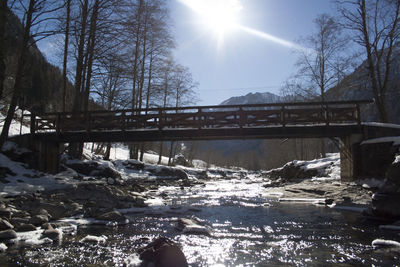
(252, 98)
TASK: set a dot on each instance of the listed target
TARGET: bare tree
(321, 65)
(36, 16)
(375, 26)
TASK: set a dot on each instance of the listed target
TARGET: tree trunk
(92, 44)
(108, 152)
(142, 149)
(160, 153)
(19, 74)
(379, 98)
(149, 79)
(3, 20)
(64, 100)
(80, 59)
(171, 148)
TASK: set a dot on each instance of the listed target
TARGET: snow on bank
(21, 180)
(121, 152)
(329, 166)
(16, 128)
(390, 139)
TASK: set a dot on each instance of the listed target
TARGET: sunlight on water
(247, 229)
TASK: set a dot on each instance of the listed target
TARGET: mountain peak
(252, 98)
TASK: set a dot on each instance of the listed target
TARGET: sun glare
(220, 16)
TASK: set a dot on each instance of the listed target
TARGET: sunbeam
(271, 38)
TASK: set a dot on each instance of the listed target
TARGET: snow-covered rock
(93, 239)
(324, 168)
(385, 243)
(193, 225)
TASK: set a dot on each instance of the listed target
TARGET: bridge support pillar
(49, 156)
(350, 157)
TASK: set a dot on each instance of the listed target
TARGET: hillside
(42, 89)
(356, 86)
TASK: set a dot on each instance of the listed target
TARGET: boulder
(38, 220)
(192, 226)
(52, 233)
(132, 164)
(392, 178)
(26, 228)
(163, 252)
(386, 205)
(5, 213)
(56, 211)
(291, 172)
(112, 216)
(5, 225)
(7, 235)
(181, 160)
(169, 172)
(93, 168)
(16, 221)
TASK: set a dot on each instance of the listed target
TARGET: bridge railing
(228, 116)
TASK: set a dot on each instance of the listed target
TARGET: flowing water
(249, 228)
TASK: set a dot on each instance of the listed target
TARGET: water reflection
(247, 230)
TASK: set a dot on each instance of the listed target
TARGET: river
(249, 227)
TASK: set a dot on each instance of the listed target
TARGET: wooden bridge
(279, 120)
(339, 119)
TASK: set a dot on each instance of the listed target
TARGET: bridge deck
(280, 120)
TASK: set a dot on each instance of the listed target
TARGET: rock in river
(192, 226)
(5, 225)
(386, 205)
(163, 252)
(112, 216)
(7, 235)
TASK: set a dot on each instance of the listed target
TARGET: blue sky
(244, 63)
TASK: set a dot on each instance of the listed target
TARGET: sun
(220, 16)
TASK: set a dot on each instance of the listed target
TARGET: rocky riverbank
(101, 192)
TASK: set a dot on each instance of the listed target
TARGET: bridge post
(350, 157)
(49, 156)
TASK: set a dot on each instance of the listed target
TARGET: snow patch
(371, 183)
(385, 243)
(3, 247)
(390, 139)
(304, 200)
(33, 238)
(94, 239)
(132, 261)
